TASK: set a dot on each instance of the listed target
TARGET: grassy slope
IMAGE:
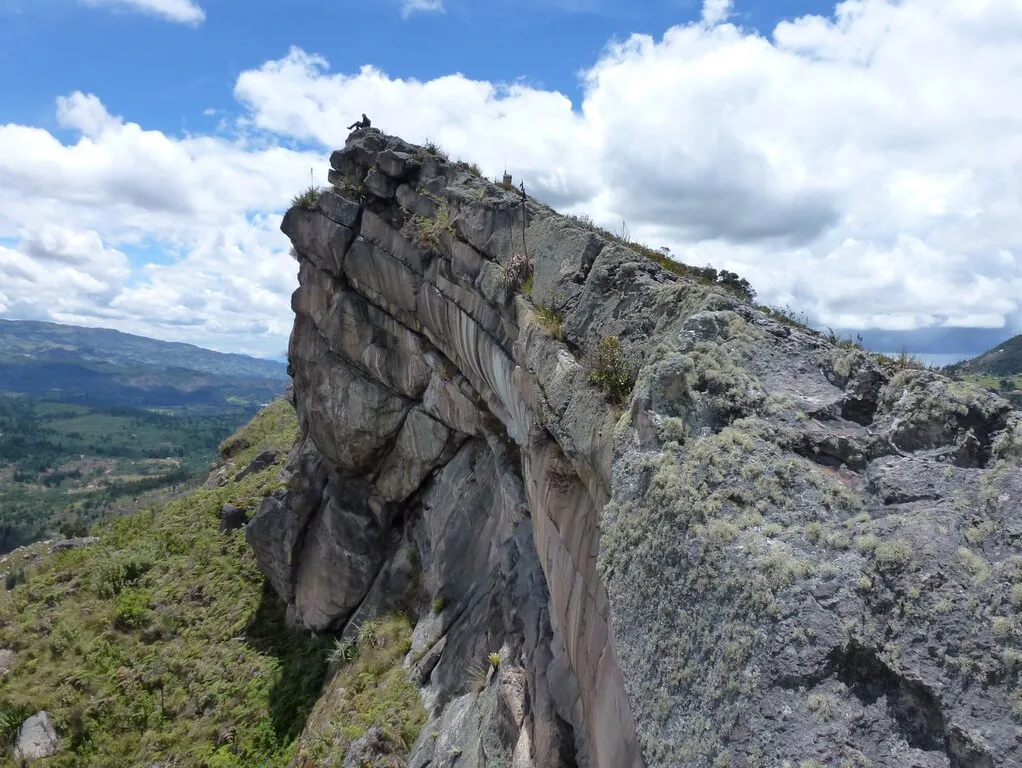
(160, 642)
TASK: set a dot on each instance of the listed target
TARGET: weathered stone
(338, 209)
(397, 165)
(220, 477)
(7, 659)
(37, 738)
(65, 544)
(376, 183)
(232, 518)
(258, 464)
(810, 548)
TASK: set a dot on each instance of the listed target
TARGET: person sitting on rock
(365, 122)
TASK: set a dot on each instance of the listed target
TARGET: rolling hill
(103, 366)
(998, 369)
(92, 420)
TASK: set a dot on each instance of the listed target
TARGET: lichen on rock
(766, 549)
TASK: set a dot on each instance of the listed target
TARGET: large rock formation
(776, 552)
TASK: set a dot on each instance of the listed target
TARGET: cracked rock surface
(775, 552)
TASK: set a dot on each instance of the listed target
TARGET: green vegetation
(161, 642)
(370, 688)
(729, 281)
(352, 189)
(62, 466)
(307, 198)
(552, 320)
(611, 371)
(472, 168)
(434, 149)
(430, 230)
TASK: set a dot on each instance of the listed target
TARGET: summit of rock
(770, 550)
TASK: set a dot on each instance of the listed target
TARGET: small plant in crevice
(494, 659)
(552, 320)
(517, 273)
(351, 189)
(307, 198)
(472, 168)
(430, 229)
(611, 371)
(433, 148)
(478, 676)
(439, 604)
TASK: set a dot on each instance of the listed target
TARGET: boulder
(36, 738)
(232, 518)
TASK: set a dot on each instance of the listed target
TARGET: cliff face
(774, 550)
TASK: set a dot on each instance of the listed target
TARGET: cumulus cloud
(862, 167)
(181, 11)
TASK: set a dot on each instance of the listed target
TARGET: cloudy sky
(861, 163)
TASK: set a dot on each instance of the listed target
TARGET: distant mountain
(1003, 360)
(106, 367)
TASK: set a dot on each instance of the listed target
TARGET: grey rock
(36, 738)
(232, 518)
(372, 750)
(338, 209)
(65, 544)
(396, 165)
(776, 551)
(7, 659)
(220, 476)
(258, 464)
(376, 183)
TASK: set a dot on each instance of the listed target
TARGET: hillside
(998, 370)
(91, 419)
(107, 367)
(157, 644)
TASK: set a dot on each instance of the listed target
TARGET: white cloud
(408, 7)
(181, 11)
(716, 11)
(864, 168)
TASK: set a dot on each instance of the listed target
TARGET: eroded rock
(777, 551)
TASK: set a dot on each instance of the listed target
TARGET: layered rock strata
(777, 551)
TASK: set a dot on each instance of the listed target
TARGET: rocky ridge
(776, 552)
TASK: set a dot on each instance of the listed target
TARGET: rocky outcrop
(775, 551)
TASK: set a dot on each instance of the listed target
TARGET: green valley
(92, 419)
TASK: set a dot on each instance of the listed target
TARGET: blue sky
(166, 74)
(858, 164)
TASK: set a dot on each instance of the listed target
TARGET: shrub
(352, 189)
(494, 659)
(11, 718)
(434, 149)
(307, 198)
(551, 320)
(611, 372)
(472, 168)
(430, 229)
(517, 273)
